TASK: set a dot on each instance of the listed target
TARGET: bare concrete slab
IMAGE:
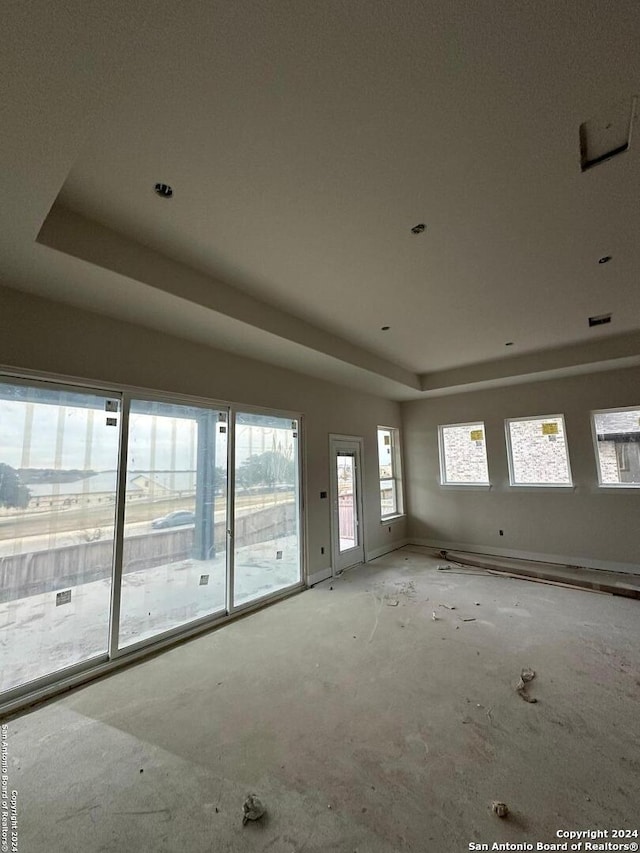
(364, 725)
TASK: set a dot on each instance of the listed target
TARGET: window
(267, 533)
(617, 440)
(174, 545)
(58, 456)
(390, 473)
(463, 455)
(537, 450)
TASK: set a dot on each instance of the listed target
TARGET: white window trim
(567, 486)
(594, 435)
(396, 474)
(455, 484)
(466, 487)
(392, 519)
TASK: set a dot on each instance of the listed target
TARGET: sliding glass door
(174, 567)
(116, 523)
(58, 473)
(266, 529)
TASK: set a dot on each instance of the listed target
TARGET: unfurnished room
(319, 426)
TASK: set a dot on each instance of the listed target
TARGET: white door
(346, 503)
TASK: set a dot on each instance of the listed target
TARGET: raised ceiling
(303, 141)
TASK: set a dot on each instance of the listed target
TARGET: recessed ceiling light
(509, 344)
(385, 328)
(163, 190)
(604, 259)
(419, 228)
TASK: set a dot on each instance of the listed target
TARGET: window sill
(479, 487)
(391, 519)
(542, 487)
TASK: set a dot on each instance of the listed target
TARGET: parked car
(175, 519)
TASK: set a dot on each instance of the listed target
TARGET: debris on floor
(500, 809)
(252, 808)
(526, 676)
(434, 617)
(393, 603)
(402, 588)
(448, 606)
(469, 619)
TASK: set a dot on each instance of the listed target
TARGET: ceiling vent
(607, 135)
(600, 320)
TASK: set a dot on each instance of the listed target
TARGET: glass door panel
(347, 544)
(267, 543)
(347, 505)
(174, 547)
(58, 462)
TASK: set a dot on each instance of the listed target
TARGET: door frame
(346, 442)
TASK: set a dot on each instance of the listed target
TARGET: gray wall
(587, 525)
(42, 335)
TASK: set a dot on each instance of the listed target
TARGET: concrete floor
(364, 724)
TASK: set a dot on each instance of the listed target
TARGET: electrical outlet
(322, 550)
